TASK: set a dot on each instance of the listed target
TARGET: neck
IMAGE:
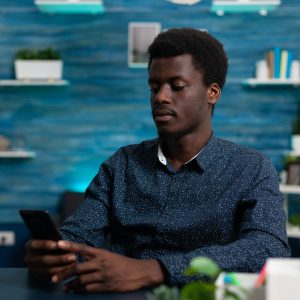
(180, 150)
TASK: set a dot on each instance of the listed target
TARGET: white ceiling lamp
(70, 6)
(185, 2)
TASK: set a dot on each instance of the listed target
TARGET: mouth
(163, 115)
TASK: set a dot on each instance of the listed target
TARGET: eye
(154, 89)
(178, 88)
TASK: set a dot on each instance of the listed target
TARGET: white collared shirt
(163, 159)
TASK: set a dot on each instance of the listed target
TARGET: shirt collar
(203, 158)
(161, 156)
(210, 152)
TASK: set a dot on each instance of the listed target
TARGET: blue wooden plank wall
(74, 128)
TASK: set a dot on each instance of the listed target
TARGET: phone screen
(40, 224)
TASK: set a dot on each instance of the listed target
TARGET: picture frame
(293, 173)
(140, 36)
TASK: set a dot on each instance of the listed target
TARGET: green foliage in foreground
(202, 289)
(164, 292)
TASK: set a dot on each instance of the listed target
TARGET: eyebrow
(154, 80)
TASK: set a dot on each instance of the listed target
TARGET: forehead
(177, 66)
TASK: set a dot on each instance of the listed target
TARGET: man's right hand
(45, 259)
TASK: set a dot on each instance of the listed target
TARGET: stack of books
(279, 64)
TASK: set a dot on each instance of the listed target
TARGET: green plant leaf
(164, 292)
(198, 290)
(47, 53)
(236, 293)
(294, 219)
(203, 266)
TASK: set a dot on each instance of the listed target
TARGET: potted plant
(42, 64)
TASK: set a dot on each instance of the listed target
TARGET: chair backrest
(69, 202)
(295, 246)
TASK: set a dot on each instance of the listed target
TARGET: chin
(165, 133)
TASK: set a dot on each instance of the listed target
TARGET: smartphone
(42, 227)
(40, 224)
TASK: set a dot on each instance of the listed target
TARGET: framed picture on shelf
(140, 36)
(293, 173)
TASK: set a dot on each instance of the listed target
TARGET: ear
(214, 93)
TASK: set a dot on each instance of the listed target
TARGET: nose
(164, 94)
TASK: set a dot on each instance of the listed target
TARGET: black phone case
(40, 224)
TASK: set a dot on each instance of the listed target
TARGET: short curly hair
(208, 55)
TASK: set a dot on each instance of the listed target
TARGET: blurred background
(55, 132)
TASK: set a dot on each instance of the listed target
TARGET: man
(183, 195)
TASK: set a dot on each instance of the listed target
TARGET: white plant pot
(38, 69)
(295, 142)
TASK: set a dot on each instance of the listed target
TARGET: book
(283, 64)
(289, 64)
(270, 63)
(277, 59)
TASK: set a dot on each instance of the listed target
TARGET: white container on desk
(244, 290)
(283, 279)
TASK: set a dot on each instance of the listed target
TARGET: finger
(47, 271)
(65, 273)
(78, 248)
(83, 279)
(96, 287)
(84, 272)
(50, 259)
(88, 266)
(35, 245)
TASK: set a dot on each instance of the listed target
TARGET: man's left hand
(104, 271)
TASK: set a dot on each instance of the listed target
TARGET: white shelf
(293, 231)
(70, 6)
(294, 153)
(273, 81)
(220, 7)
(15, 82)
(17, 154)
(290, 189)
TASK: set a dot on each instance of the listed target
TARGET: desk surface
(15, 285)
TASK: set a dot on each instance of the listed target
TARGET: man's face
(181, 104)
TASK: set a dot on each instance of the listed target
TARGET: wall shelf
(253, 82)
(290, 189)
(294, 153)
(220, 7)
(17, 154)
(287, 189)
(293, 231)
(15, 82)
(70, 6)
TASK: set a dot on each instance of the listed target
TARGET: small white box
(261, 69)
(283, 279)
(295, 69)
